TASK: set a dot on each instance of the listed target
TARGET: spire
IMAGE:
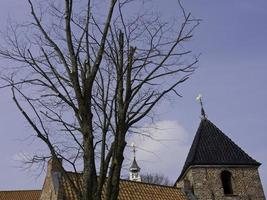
(134, 169)
(134, 150)
(203, 114)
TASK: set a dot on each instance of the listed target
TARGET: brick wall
(207, 184)
(50, 188)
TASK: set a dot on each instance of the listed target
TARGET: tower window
(226, 178)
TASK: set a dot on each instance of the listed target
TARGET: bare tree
(82, 79)
(155, 178)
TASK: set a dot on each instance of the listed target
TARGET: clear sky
(232, 76)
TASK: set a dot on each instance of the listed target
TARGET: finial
(134, 150)
(199, 98)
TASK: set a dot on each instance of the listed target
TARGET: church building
(216, 168)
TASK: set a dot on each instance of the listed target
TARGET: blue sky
(231, 75)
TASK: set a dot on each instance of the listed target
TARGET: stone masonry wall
(207, 185)
(48, 192)
(50, 188)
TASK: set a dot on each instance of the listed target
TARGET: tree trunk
(112, 189)
(89, 172)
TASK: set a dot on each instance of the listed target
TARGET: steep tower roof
(212, 147)
(134, 166)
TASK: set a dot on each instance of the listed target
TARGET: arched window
(226, 178)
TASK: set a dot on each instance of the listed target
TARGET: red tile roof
(20, 195)
(129, 190)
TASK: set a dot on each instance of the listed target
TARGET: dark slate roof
(212, 147)
(134, 166)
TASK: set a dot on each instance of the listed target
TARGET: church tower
(218, 169)
(134, 171)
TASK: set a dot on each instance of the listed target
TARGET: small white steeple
(134, 170)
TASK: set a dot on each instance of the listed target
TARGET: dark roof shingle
(135, 166)
(212, 147)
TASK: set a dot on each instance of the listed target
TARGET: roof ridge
(191, 150)
(198, 137)
(152, 184)
(21, 190)
(135, 182)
